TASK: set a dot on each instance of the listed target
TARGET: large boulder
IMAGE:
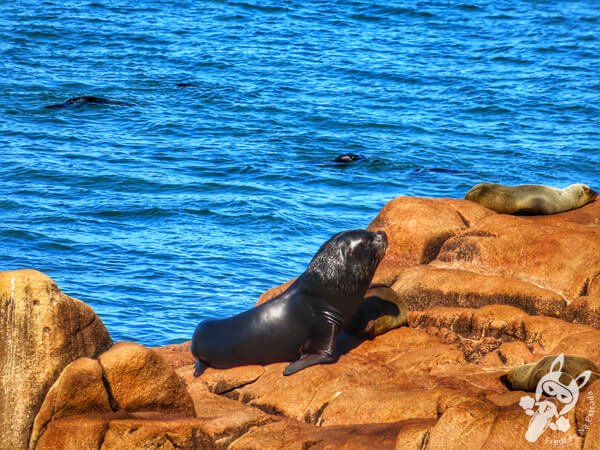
(140, 380)
(562, 259)
(79, 389)
(42, 331)
(417, 228)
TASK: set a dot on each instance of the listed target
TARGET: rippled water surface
(198, 198)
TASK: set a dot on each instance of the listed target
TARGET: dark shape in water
(86, 100)
(437, 170)
(184, 85)
(349, 158)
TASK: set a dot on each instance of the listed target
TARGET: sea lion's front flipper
(320, 348)
(307, 361)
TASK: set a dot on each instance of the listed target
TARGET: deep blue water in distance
(195, 201)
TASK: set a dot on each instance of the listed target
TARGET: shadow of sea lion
(88, 100)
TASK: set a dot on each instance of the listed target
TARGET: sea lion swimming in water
(303, 322)
(349, 158)
(88, 100)
(530, 199)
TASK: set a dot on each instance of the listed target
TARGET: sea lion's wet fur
(527, 376)
(349, 158)
(305, 319)
(530, 199)
(88, 100)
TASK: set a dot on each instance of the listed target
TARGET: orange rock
(140, 380)
(587, 416)
(176, 355)
(515, 353)
(372, 404)
(220, 421)
(293, 435)
(182, 433)
(224, 420)
(74, 433)
(557, 258)
(593, 287)
(78, 390)
(42, 331)
(584, 309)
(379, 369)
(586, 215)
(417, 228)
(510, 426)
(466, 424)
(424, 287)
(542, 335)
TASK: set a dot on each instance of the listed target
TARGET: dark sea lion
(348, 158)
(88, 100)
(381, 311)
(530, 199)
(302, 323)
(186, 84)
(527, 376)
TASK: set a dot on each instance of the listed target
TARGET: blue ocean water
(196, 200)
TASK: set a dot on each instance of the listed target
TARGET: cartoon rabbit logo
(545, 412)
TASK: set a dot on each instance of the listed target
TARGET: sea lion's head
(346, 263)
(584, 194)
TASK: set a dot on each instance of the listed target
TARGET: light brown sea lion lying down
(568, 368)
(530, 199)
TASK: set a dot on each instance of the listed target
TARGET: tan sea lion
(530, 199)
(382, 310)
(527, 376)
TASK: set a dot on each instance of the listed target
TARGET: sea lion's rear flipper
(199, 368)
(307, 361)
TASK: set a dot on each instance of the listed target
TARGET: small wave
(488, 110)
(400, 11)
(148, 213)
(468, 7)
(261, 8)
(511, 59)
(438, 170)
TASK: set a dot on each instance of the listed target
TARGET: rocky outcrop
(42, 330)
(128, 382)
(485, 293)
